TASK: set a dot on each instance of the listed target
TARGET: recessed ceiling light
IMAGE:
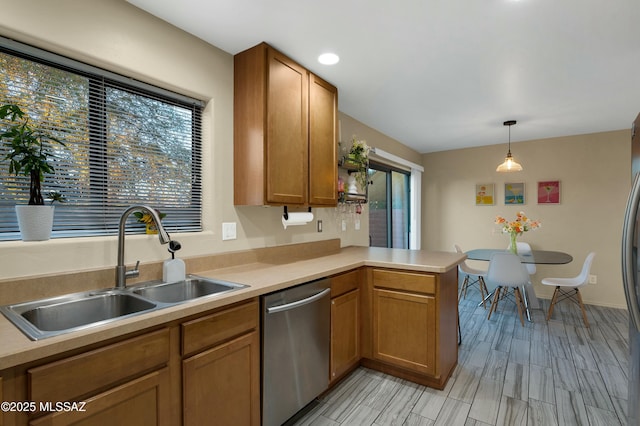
(328, 59)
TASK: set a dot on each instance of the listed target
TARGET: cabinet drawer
(344, 283)
(92, 371)
(219, 326)
(407, 281)
(143, 401)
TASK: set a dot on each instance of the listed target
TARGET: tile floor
(546, 373)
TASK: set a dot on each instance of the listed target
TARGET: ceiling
(445, 74)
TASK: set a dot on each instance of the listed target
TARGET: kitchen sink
(180, 291)
(49, 317)
(58, 315)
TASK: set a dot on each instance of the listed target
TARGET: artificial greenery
(359, 155)
(147, 218)
(28, 150)
(56, 196)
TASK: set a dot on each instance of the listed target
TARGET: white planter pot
(35, 222)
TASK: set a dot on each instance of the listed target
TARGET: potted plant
(359, 156)
(28, 154)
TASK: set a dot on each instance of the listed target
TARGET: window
(126, 143)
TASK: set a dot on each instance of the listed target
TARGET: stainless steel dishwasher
(295, 349)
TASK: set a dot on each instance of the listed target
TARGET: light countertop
(261, 278)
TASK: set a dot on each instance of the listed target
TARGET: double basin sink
(58, 315)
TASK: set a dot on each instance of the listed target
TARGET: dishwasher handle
(298, 303)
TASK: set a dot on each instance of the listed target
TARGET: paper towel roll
(297, 219)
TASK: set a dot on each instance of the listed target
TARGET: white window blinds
(126, 143)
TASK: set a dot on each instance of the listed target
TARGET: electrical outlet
(228, 231)
(319, 226)
(593, 279)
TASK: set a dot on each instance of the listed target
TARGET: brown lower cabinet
(345, 324)
(143, 401)
(404, 330)
(221, 385)
(230, 366)
(400, 322)
(205, 370)
(409, 324)
(106, 385)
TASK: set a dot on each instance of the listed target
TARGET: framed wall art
(514, 193)
(549, 192)
(485, 194)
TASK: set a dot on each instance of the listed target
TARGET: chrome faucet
(121, 270)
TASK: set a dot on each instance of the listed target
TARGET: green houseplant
(28, 154)
(359, 156)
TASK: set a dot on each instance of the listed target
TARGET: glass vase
(513, 246)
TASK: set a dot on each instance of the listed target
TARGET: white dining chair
(508, 274)
(472, 276)
(525, 248)
(569, 288)
(528, 294)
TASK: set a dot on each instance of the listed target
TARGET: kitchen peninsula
(401, 306)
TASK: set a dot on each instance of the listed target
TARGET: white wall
(595, 176)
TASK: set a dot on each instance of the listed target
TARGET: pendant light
(509, 164)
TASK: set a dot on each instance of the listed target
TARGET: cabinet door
(323, 142)
(287, 149)
(222, 385)
(404, 330)
(345, 333)
(144, 401)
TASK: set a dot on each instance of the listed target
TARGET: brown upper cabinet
(285, 132)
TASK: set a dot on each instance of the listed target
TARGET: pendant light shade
(509, 165)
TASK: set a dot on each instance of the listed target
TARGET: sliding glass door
(388, 207)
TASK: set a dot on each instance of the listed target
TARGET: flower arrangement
(359, 155)
(517, 227)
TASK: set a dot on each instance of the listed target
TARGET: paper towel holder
(286, 213)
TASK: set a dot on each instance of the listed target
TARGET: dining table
(539, 257)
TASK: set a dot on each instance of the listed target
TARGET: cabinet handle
(298, 303)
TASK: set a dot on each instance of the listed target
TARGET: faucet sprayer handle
(132, 273)
(174, 246)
